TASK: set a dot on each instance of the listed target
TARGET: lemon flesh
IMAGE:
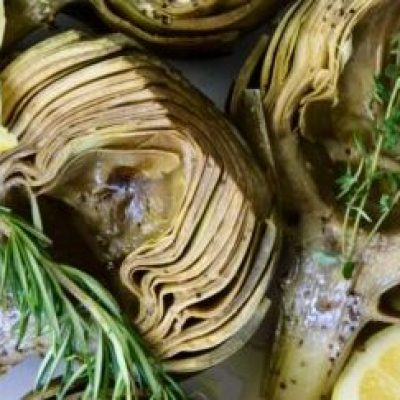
(374, 372)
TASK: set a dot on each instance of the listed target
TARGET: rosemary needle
(80, 321)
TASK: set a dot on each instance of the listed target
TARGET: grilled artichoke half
(165, 194)
(317, 85)
(206, 25)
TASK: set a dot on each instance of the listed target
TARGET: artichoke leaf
(2, 22)
(25, 16)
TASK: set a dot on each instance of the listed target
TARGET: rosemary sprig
(356, 183)
(80, 320)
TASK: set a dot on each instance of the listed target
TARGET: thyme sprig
(356, 183)
(80, 320)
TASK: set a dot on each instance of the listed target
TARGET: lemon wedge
(373, 374)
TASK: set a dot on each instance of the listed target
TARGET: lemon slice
(373, 374)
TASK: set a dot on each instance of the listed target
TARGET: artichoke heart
(159, 185)
(322, 95)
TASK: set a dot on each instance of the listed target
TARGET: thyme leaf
(355, 185)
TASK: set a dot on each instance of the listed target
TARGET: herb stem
(360, 209)
(351, 204)
(381, 220)
(393, 98)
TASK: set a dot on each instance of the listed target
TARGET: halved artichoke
(164, 193)
(206, 25)
(317, 84)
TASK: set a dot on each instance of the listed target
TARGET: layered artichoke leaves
(183, 25)
(317, 77)
(162, 190)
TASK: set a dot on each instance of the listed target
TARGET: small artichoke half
(165, 195)
(317, 83)
(183, 25)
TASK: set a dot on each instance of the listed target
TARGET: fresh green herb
(348, 269)
(325, 258)
(79, 319)
(355, 185)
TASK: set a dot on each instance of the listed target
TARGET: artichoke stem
(308, 364)
(320, 318)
